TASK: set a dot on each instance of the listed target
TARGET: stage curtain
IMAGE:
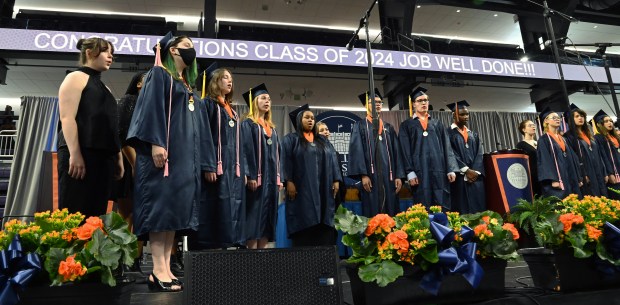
(36, 132)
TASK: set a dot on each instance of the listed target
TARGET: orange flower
(70, 269)
(510, 227)
(95, 221)
(486, 219)
(593, 232)
(85, 232)
(569, 219)
(480, 229)
(379, 223)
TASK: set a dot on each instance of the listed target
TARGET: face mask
(188, 55)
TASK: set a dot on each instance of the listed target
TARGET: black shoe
(157, 285)
(176, 265)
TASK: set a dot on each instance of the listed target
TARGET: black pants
(90, 195)
(319, 235)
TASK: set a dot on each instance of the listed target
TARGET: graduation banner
(218, 49)
(340, 124)
(507, 180)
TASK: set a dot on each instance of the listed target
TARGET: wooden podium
(507, 179)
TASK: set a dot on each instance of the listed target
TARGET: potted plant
(421, 254)
(71, 250)
(570, 232)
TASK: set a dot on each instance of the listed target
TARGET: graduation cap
(365, 96)
(293, 114)
(458, 105)
(417, 92)
(544, 114)
(162, 47)
(600, 115)
(254, 92)
(207, 75)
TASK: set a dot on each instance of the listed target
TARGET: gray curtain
(36, 132)
(497, 130)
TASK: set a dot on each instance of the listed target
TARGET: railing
(410, 45)
(8, 139)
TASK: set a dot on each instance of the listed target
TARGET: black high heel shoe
(177, 282)
(157, 285)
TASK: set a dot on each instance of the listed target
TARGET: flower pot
(77, 293)
(406, 289)
(560, 270)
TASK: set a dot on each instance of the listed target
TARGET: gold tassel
(251, 103)
(368, 111)
(594, 129)
(410, 108)
(204, 84)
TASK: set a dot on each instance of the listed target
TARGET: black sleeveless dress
(97, 125)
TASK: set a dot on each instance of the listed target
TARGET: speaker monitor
(308, 275)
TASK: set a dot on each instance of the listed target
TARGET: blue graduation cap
(600, 116)
(254, 92)
(165, 43)
(210, 69)
(417, 92)
(572, 107)
(363, 96)
(293, 114)
(544, 114)
(458, 105)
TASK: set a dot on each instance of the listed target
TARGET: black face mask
(188, 55)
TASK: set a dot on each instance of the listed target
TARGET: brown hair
(254, 116)
(96, 45)
(213, 90)
(573, 127)
(603, 131)
(522, 126)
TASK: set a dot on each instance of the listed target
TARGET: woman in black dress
(527, 128)
(89, 150)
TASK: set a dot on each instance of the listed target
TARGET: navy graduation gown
(431, 158)
(361, 151)
(312, 169)
(467, 198)
(168, 203)
(568, 167)
(261, 205)
(611, 158)
(591, 164)
(222, 210)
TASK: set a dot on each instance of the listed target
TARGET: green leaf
(349, 223)
(107, 277)
(382, 273)
(104, 250)
(52, 260)
(430, 254)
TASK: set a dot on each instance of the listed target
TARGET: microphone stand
(554, 45)
(371, 95)
(602, 47)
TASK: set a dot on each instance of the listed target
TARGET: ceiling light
(596, 26)
(524, 58)
(419, 6)
(494, 15)
(458, 11)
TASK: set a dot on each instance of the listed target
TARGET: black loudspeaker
(267, 276)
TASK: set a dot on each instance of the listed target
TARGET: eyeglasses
(530, 125)
(421, 101)
(555, 117)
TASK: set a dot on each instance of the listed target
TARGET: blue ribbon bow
(16, 270)
(611, 241)
(452, 260)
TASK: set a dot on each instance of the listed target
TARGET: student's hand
(335, 188)
(555, 184)
(77, 168)
(160, 155)
(291, 191)
(451, 177)
(612, 179)
(414, 182)
(606, 179)
(586, 180)
(399, 184)
(471, 175)
(252, 185)
(210, 177)
(119, 168)
(367, 184)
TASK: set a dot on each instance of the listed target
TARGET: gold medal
(231, 123)
(269, 142)
(425, 133)
(191, 106)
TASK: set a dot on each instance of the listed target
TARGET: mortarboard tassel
(251, 103)
(594, 129)
(368, 111)
(158, 56)
(204, 84)
(410, 108)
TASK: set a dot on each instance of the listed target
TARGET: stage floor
(519, 291)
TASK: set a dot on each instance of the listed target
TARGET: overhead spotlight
(524, 58)
(287, 2)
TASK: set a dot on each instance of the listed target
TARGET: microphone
(560, 41)
(351, 42)
(498, 146)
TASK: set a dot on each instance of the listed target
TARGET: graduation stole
(380, 130)
(464, 133)
(424, 122)
(265, 126)
(559, 140)
(309, 136)
(584, 137)
(613, 140)
(223, 103)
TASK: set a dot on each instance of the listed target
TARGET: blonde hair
(254, 115)
(213, 89)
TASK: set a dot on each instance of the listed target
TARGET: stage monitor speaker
(308, 275)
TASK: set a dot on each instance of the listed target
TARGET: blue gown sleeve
(208, 158)
(357, 154)
(149, 122)
(250, 144)
(478, 164)
(404, 137)
(399, 169)
(546, 162)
